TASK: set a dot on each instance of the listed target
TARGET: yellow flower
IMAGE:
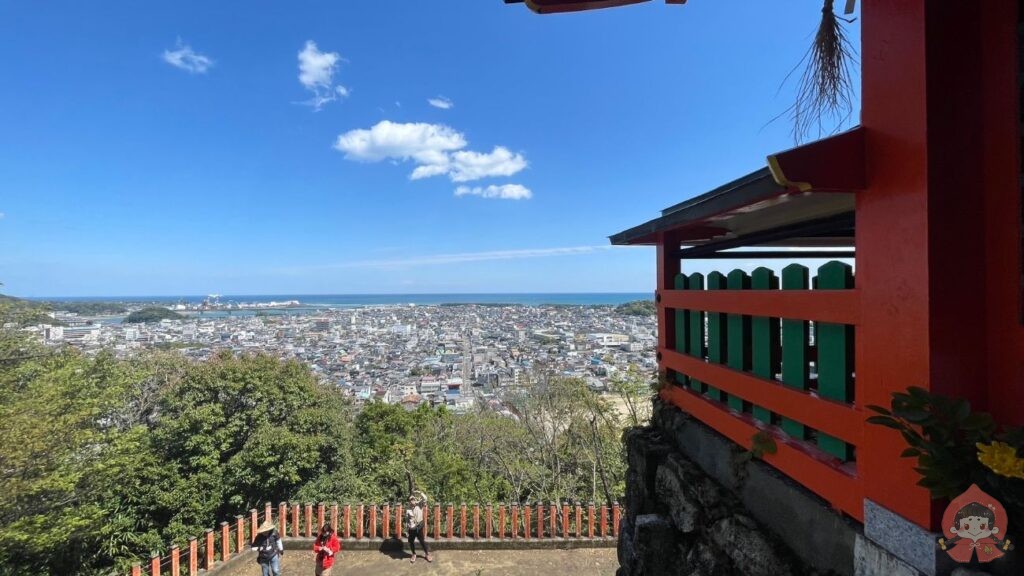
(1002, 459)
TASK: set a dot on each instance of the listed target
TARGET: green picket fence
(810, 356)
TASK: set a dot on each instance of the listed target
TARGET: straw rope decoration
(825, 92)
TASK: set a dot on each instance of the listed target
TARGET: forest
(105, 460)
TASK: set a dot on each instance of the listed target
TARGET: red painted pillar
(239, 534)
(295, 520)
(489, 526)
(359, 522)
(937, 165)
(175, 561)
(386, 522)
(373, 521)
(321, 517)
(668, 265)
(515, 521)
(476, 521)
(579, 520)
(154, 565)
(282, 520)
(210, 550)
(462, 521)
(553, 520)
(267, 515)
(136, 570)
(604, 521)
(254, 523)
(565, 519)
(590, 518)
(346, 519)
(334, 517)
(193, 557)
(225, 541)
(309, 520)
(616, 515)
(437, 521)
(398, 521)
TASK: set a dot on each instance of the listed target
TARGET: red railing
(747, 355)
(368, 523)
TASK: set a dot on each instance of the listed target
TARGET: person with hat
(414, 522)
(269, 549)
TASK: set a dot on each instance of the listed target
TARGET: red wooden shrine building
(926, 192)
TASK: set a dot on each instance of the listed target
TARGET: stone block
(873, 560)
(751, 552)
(801, 520)
(657, 545)
(901, 537)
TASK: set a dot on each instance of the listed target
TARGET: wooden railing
(748, 356)
(379, 522)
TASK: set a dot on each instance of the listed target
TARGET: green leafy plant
(762, 443)
(942, 433)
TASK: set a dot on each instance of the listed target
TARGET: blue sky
(267, 147)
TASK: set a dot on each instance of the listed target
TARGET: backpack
(266, 547)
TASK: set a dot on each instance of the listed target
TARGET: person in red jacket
(326, 547)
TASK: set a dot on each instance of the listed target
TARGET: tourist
(326, 546)
(414, 521)
(269, 549)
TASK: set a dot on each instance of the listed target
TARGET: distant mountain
(23, 312)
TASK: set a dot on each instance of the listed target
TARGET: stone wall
(698, 505)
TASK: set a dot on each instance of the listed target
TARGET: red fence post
(553, 519)
(154, 565)
(373, 521)
(346, 519)
(282, 520)
(616, 514)
(526, 521)
(193, 557)
(175, 560)
(565, 520)
(462, 521)
(295, 519)
(240, 535)
(225, 541)
(540, 520)
(386, 522)
(268, 513)
(476, 521)
(437, 521)
(334, 517)
(451, 520)
(398, 521)
(254, 522)
(321, 518)
(604, 520)
(590, 520)
(208, 557)
(359, 522)
(136, 570)
(309, 520)
(579, 520)
(515, 521)
(489, 524)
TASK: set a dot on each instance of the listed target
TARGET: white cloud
(186, 58)
(426, 144)
(316, 74)
(441, 102)
(502, 192)
(437, 150)
(467, 166)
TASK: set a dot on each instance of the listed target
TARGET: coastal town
(460, 356)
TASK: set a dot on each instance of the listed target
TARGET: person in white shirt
(414, 524)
